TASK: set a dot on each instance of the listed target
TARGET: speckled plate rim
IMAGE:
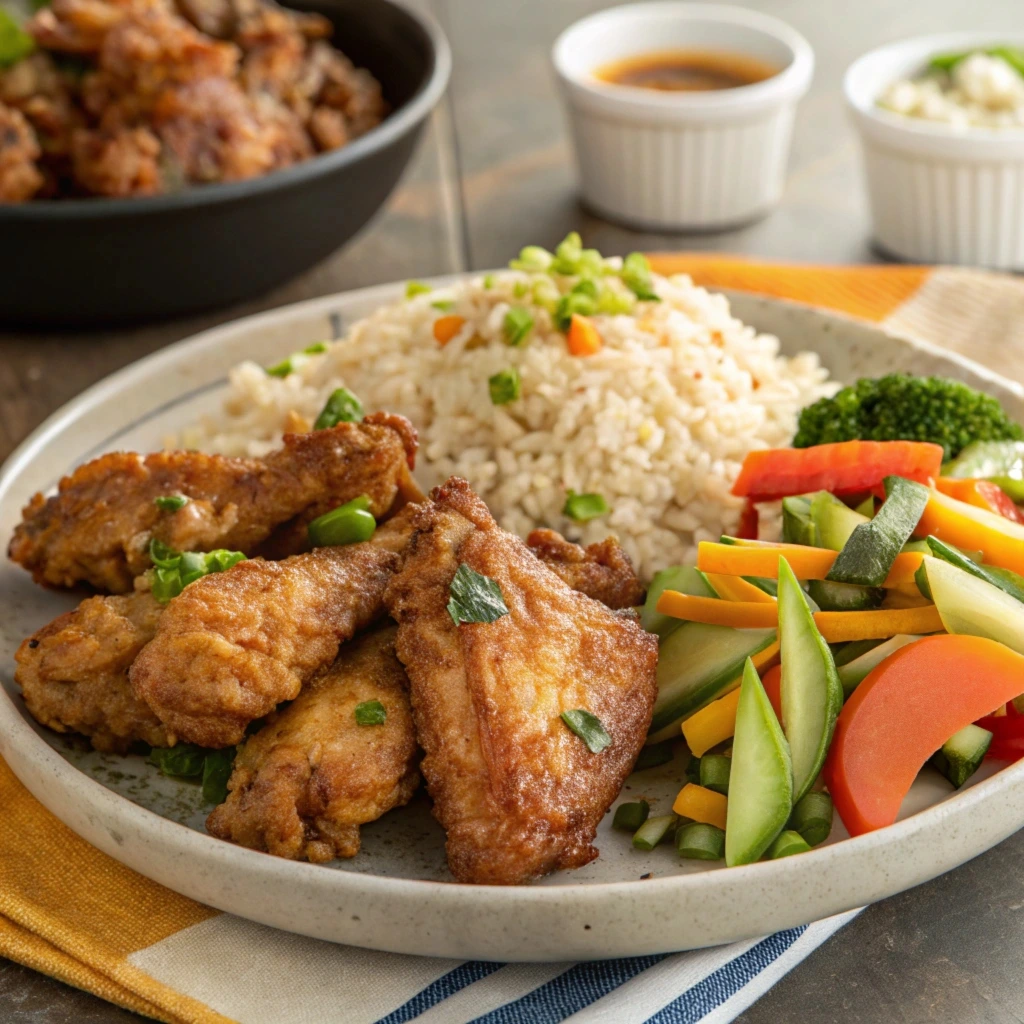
(589, 920)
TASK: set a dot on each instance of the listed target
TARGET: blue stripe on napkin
(438, 991)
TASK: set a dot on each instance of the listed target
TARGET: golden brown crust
(73, 673)
(602, 571)
(235, 644)
(303, 785)
(518, 793)
(98, 526)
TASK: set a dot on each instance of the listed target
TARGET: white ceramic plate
(396, 894)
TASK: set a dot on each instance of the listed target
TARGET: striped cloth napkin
(72, 912)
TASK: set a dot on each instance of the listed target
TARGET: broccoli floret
(901, 407)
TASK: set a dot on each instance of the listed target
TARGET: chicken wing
(518, 793)
(98, 526)
(303, 785)
(73, 673)
(601, 571)
(235, 644)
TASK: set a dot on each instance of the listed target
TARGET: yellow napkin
(72, 912)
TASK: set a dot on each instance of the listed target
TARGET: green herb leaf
(15, 42)
(583, 507)
(444, 305)
(474, 597)
(517, 325)
(350, 523)
(371, 712)
(505, 386)
(589, 729)
(170, 502)
(414, 288)
(217, 767)
(185, 761)
(341, 407)
(636, 276)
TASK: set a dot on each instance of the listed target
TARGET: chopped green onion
(612, 302)
(586, 287)
(473, 597)
(653, 756)
(581, 508)
(505, 386)
(700, 841)
(517, 325)
(216, 772)
(787, 844)
(414, 288)
(812, 817)
(568, 255)
(488, 281)
(170, 502)
(286, 366)
(371, 712)
(317, 348)
(654, 831)
(15, 42)
(532, 259)
(341, 407)
(575, 302)
(693, 770)
(347, 524)
(185, 761)
(444, 305)
(629, 817)
(714, 772)
(175, 570)
(520, 289)
(588, 727)
(636, 276)
(162, 555)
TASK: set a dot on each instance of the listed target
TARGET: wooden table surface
(494, 173)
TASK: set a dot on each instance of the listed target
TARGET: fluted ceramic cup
(938, 193)
(681, 160)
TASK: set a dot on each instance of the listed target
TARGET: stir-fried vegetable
(1000, 541)
(341, 407)
(447, 327)
(347, 524)
(583, 338)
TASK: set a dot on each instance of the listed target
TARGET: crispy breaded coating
(303, 785)
(73, 673)
(602, 571)
(98, 526)
(235, 644)
(518, 793)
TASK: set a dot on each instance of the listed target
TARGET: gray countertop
(495, 173)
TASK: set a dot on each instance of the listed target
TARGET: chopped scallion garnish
(341, 407)
(296, 360)
(714, 772)
(520, 288)
(532, 258)
(612, 302)
(574, 302)
(629, 817)
(170, 502)
(654, 831)
(473, 597)
(371, 712)
(175, 570)
(636, 276)
(414, 288)
(317, 348)
(444, 305)
(517, 325)
(787, 844)
(581, 508)
(350, 523)
(505, 386)
(488, 281)
(588, 727)
(697, 840)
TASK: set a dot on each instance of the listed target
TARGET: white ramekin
(938, 194)
(681, 160)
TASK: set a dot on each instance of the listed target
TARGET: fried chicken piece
(235, 644)
(303, 785)
(20, 178)
(602, 571)
(125, 162)
(98, 526)
(73, 673)
(518, 793)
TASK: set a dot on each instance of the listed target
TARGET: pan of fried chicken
(212, 148)
(339, 644)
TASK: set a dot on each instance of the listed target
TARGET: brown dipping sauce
(686, 71)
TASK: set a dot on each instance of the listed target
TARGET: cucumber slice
(844, 597)
(852, 674)
(797, 526)
(685, 579)
(761, 781)
(961, 755)
(1005, 579)
(834, 521)
(812, 696)
(867, 556)
(1002, 462)
(696, 664)
(967, 604)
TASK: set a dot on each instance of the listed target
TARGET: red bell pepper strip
(750, 523)
(982, 494)
(843, 468)
(905, 709)
(1007, 734)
